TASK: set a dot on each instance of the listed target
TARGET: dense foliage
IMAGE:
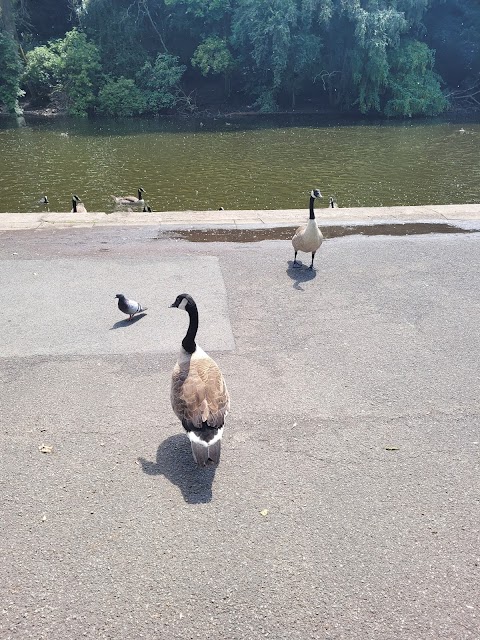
(133, 57)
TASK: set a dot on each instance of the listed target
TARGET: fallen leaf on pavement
(45, 448)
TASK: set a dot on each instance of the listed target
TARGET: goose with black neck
(309, 237)
(199, 395)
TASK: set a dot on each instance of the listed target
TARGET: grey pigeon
(130, 307)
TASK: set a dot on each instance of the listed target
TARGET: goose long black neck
(188, 343)
(312, 211)
(74, 206)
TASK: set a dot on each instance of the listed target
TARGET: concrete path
(455, 214)
(346, 504)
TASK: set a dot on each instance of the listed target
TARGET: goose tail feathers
(206, 453)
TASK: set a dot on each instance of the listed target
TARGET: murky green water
(241, 163)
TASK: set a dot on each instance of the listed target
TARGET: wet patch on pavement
(333, 231)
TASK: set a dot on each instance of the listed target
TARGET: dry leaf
(392, 448)
(45, 448)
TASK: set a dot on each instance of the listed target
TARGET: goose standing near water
(77, 205)
(199, 394)
(332, 203)
(309, 237)
(129, 201)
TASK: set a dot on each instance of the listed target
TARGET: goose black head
(184, 301)
(316, 193)
(76, 198)
(141, 189)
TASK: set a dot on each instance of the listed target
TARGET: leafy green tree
(413, 85)
(262, 31)
(375, 33)
(160, 82)
(213, 56)
(79, 72)
(120, 97)
(121, 33)
(10, 72)
(69, 69)
(41, 73)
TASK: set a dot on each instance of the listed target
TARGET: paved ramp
(67, 307)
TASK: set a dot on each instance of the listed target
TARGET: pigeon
(130, 307)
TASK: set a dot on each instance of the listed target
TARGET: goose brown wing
(199, 394)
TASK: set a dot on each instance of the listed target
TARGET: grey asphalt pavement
(347, 502)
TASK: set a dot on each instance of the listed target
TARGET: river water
(245, 162)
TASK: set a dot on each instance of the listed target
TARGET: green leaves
(213, 56)
(121, 97)
(160, 81)
(413, 85)
(10, 71)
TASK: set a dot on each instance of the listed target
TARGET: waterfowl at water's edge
(129, 201)
(77, 205)
(198, 394)
(308, 238)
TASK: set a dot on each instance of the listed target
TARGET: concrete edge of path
(460, 215)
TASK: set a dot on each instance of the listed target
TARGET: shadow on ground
(300, 274)
(126, 322)
(175, 462)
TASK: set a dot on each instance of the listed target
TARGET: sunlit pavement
(346, 504)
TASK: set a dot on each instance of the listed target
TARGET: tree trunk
(8, 18)
(7, 22)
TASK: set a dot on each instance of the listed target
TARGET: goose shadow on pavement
(300, 274)
(126, 322)
(175, 462)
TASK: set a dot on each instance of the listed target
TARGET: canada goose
(131, 200)
(130, 307)
(43, 200)
(198, 394)
(77, 205)
(332, 203)
(309, 237)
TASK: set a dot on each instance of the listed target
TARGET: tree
(160, 82)
(120, 97)
(69, 67)
(10, 71)
(413, 85)
(213, 56)
(262, 32)
(10, 66)
(41, 73)
(79, 71)
(375, 33)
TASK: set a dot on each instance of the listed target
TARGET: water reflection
(266, 162)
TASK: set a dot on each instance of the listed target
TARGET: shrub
(121, 97)
(160, 81)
